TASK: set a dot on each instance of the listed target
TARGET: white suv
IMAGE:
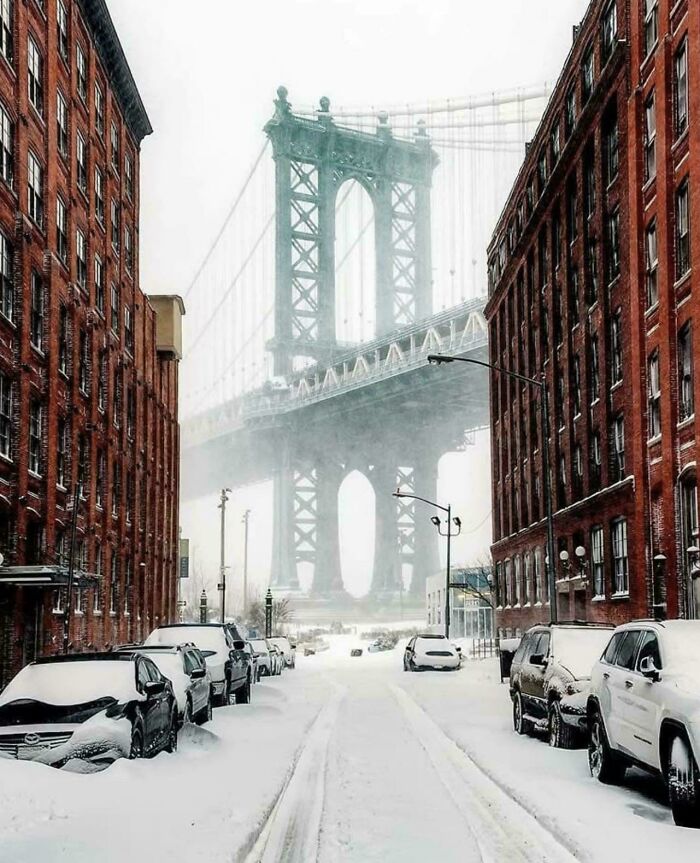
(644, 709)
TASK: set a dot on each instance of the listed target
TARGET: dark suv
(550, 678)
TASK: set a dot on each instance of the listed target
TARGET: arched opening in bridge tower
(356, 526)
(355, 265)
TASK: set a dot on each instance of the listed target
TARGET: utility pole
(222, 566)
(246, 516)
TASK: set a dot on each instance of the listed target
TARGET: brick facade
(89, 397)
(591, 282)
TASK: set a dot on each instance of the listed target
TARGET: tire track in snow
(502, 827)
(291, 832)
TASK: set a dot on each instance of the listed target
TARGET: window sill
(595, 401)
(654, 440)
(113, 614)
(6, 458)
(653, 308)
(34, 474)
(684, 134)
(598, 598)
(682, 280)
(616, 386)
(96, 612)
(688, 421)
(622, 595)
(57, 612)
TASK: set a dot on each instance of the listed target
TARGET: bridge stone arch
(313, 158)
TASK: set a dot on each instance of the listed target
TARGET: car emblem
(31, 739)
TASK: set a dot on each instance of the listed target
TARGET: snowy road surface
(344, 760)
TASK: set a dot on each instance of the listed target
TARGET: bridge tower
(313, 159)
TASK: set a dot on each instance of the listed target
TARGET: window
(542, 170)
(114, 145)
(7, 45)
(650, 137)
(592, 262)
(574, 305)
(516, 579)
(595, 370)
(649, 647)
(130, 412)
(654, 396)
(63, 341)
(99, 195)
(61, 124)
(129, 176)
(116, 229)
(618, 442)
(116, 487)
(100, 479)
(128, 498)
(7, 291)
(538, 576)
(81, 164)
(97, 590)
(7, 147)
(576, 385)
(5, 416)
(616, 347)
(685, 373)
(556, 238)
(613, 236)
(102, 382)
(578, 467)
(114, 296)
(587, 75)
(83, 457)
(681, 89)
(682, 230)
(628, 648)
(609, 31)
(84, 363)
(117, 400)
(62, 29)
(620, 562)
(36, 320)
(598, 561)
(562, 480)
(35, 76)
(611, 144)
(595, 460)
(128, 330)
(35, 420)
(128, 249)
(81, 72)
(651, 25)
(570, 112)
(61, 230)
(35, 190)
(571, 210)
(554, 144)
(99, 111)
(62, 453)
(589, 182)
(99, 285)
(114, 584)
(652, 266)
(81, 259)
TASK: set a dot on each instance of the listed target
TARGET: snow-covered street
(344, 759)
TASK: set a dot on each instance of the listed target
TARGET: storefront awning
(44, 576)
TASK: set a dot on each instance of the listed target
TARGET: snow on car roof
(205, 636)
(63, 683)
(579, 648)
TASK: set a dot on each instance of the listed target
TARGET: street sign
(184, 558)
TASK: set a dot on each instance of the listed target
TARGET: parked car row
(632, 693)
(132, 701)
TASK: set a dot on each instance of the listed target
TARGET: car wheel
(136, 750)
(561, 735)
(683, 790)
(405, 664)
(520, 724)
(243, 693)
(187, 716)
(602, 762)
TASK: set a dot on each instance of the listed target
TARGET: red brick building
(88, 381)
(591, 271)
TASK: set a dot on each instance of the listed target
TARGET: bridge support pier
(328, 577)
(284, 571)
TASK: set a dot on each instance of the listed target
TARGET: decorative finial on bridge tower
(323, 114)
(282, 105)
(383, 127)
(421, 129)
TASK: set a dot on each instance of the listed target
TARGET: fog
(208, 73)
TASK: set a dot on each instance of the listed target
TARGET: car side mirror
(538, 659)
(648, 669)
(198, 673)
(293, 646)
(154, 687)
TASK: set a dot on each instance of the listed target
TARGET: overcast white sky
(208, 72)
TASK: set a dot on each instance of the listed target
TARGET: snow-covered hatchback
(549, 679)
(644, 709)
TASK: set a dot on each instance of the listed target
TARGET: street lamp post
(222, 567)
(541, 385)
(449, 534)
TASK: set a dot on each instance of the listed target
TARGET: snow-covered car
(253, 659)
(287, 649)
(227, 661)
(261, 650)
(384, 642)
(550, 677)
(93, 707)
(430, 651)
(185, 667)
(644, 710)
(276, 658)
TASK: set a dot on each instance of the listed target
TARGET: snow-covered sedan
(287, 649)
(261, 651)
(185, 667)
(644, 710)
(550, 677)
(431, 651)
(92, 707)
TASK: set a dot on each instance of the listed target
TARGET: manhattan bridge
(354, 248)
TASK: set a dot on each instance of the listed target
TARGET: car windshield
(205, 637)
(170, 664)
(578, 649)
(63, 683)
(259, 645)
